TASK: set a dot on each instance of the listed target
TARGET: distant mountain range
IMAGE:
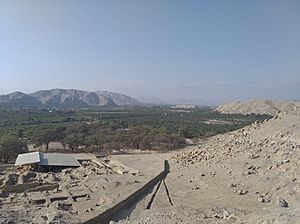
(214, 95)
(68, 98)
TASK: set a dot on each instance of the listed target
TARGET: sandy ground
(208, 195)
(248, 176)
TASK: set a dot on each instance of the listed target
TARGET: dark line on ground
(153, 196)
(168, 193)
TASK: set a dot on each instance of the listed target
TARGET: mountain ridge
(66, 98)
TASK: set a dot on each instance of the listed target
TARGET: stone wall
(28, 187)
(19, 188)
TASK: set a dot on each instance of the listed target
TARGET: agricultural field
(143, 128)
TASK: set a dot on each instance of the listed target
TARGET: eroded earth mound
(258, 107)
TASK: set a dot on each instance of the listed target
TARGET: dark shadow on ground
(126, 212)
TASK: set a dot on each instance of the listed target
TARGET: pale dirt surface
(258, 107)
(250, 175)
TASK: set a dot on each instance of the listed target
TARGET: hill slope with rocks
(257, 107)
(66, 98)
(251, 175)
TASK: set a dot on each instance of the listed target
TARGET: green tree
(47, 135)
(185, 131)
(20, 132)
(10, 147)
(74, 141)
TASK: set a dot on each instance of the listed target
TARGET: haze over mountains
(184, 94)
(214, 94)
(66, 98)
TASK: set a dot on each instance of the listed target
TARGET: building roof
(83, 156)
(47, 159)
(57, 159)
(27, 158)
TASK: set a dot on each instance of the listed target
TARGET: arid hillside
(257, 107)
(251, 175)
(70, 98)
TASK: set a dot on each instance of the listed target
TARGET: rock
(217, 216)
(264, 200)
(195, 188)
(30, 176)
(254, 156)
(283, 203)
(12, 179)
(264, 222)
(261, 200)
(7, 221)
(64, 206)
(225, 214)
(44, 217)
(3, 194)
(241, 192)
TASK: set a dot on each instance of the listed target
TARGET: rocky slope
(257, 107)
(66, 98)
(262, 164)
(251, 175)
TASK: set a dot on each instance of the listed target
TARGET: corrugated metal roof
(58, 159)
(27, 158)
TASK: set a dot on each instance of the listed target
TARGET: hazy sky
(140, 44)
